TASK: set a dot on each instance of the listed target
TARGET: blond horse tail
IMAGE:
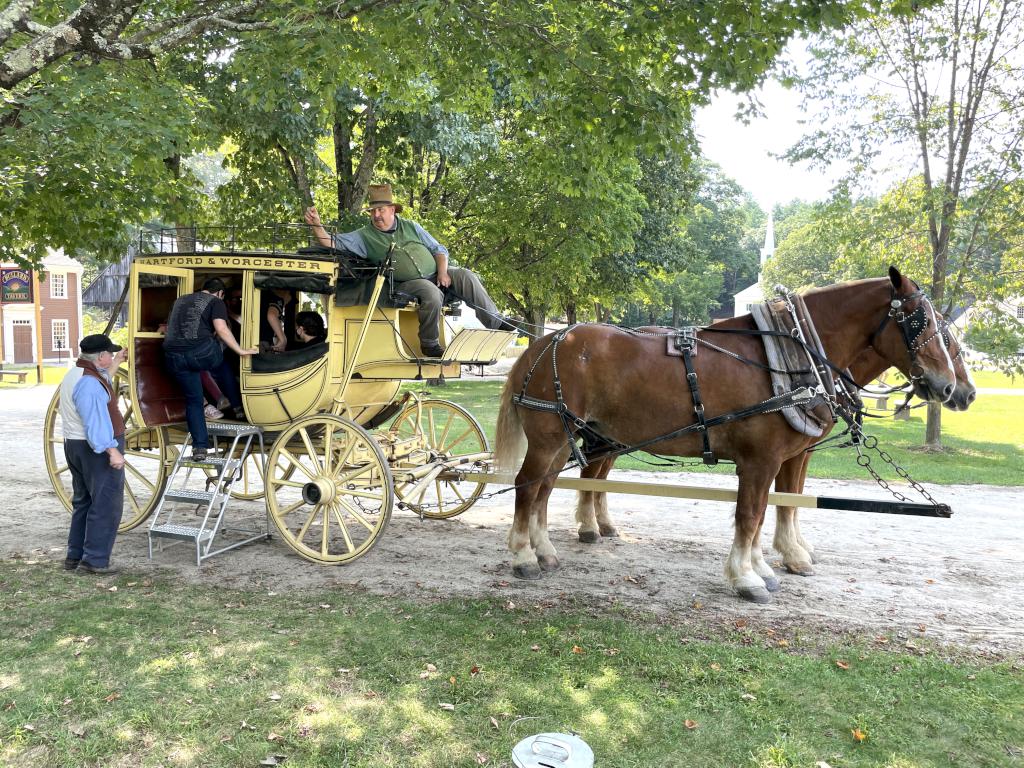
(510, 438)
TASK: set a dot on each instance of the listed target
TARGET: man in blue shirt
(94, 449)
(420, 264)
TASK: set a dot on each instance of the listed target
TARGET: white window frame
(58, 279)
(1020, 311)
(66, 326)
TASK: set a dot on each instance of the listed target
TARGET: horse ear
(895, 278)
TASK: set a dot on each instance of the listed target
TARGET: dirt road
(906, 577)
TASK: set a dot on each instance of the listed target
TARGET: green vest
(411, 258)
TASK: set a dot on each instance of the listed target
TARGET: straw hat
(379, 195)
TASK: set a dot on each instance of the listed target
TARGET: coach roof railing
(271, 239)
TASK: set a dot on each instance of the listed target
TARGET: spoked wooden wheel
(329, 489)
(144, 469)
(450, 432)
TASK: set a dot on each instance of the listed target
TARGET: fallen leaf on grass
(28, 727)
(112, 697)
(494, 724)
(859, 735)
(112, 589)
(842, 664)
(611, 651)
(273, 736)
(481, 758)
(431, 668)
(577, 649)
(783, 643)
(424, 675)
(446, 706)
(748, 697)
(275, 696)
(716, 666)
(311, 709)
(690, 724)
(822, 764)
(474, 670)
(273, 760)
(534, 647)
(740, 623)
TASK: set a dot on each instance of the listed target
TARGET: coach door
(153, 290)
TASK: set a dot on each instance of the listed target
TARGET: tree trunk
(570, 312)
(933, 430)
(354, 179)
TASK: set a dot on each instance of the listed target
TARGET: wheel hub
(318, 490)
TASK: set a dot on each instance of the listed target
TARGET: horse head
(912, 337)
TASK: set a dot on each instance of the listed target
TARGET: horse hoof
(755, 594)
(610, 531)
(771, 583)
(589, 537)
(529, 571)
(548, 562)
(800, 569)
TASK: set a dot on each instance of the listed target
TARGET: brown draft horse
(797, 553)
(626, 388)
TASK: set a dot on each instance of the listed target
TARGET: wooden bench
(20, 376)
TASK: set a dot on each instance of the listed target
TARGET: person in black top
(197, 326)
(309, 330)
(277, 319)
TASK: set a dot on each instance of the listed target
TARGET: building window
(58, 286)
(58, 334)
(1020, 311)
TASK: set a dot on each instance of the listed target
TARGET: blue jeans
(185, 365)
(97, 502)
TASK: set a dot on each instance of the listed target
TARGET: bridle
(912, 326)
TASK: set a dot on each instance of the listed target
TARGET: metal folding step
(187, 512)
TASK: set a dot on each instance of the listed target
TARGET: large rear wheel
(145, 455)
(329, 489)
(450, 432)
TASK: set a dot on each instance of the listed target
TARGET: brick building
(60, 299)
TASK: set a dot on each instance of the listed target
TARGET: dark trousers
(97, 502)
(185, 365)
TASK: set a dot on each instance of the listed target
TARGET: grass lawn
(983, 445)
(129, 672)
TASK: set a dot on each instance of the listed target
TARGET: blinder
(912, 325)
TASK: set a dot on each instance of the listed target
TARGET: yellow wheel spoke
(328, 446)
(469, 431)
(342, 527)
(324, 542)
(359, 471)
(311, 453)
(342, 460)
(357, 514)
(131, 498)
(309, 521)
(286, 454)
(375, 496)
(291, 508)
(455, 489)
(448, 425)
(62, 469)
(140, 477)
(287, 484)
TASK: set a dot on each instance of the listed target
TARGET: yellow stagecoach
(329, 441)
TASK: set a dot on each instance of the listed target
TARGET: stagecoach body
(341, 443)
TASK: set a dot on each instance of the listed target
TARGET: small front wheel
(450, 432)
(329, 489)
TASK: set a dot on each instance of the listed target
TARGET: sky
(745, 150)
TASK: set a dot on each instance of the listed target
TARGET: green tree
(939, 84)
